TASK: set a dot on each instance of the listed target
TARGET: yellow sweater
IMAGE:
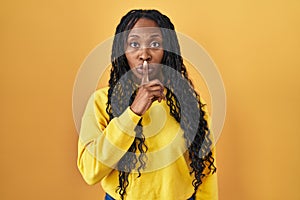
(167, 174)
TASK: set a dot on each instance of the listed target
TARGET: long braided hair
(122, 92)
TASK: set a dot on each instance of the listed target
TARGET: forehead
(145, 27)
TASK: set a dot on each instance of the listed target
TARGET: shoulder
(97, 100)
(101, 91)
(101, 94)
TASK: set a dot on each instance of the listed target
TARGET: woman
(146, 136)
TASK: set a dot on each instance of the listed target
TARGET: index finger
(145, 78)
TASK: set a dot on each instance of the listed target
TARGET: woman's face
(144, 43)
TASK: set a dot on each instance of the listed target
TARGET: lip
(139, 69)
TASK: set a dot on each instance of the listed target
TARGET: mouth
(139, 69)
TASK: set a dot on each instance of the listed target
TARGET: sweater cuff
(127, 122)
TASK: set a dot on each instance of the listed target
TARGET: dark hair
(122, 93)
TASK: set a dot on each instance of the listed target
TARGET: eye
(134, 44)
(154, 44)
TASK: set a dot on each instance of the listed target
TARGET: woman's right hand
(148, 92)
(146, 95)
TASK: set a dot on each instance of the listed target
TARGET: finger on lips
(145, 78)
(155, 88)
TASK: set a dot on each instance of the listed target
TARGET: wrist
(135, 112)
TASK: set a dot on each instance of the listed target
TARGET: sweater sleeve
(208, 190)
(102, 143)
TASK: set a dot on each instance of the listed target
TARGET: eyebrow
(134, 36)
(137, 36)
(155, 35)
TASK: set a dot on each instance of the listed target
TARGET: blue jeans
(108, 197)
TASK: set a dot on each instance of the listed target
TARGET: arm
(102, 143)
(208, 190)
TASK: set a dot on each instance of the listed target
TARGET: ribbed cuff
(127, 121)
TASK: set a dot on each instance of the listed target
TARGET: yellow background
(255, 45)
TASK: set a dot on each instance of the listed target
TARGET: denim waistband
(108, 197)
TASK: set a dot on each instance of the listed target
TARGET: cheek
(160, 55)
(157, 55)
(130, 60)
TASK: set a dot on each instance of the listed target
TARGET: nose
(144, 54)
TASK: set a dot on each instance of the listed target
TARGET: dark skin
(144, 53)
